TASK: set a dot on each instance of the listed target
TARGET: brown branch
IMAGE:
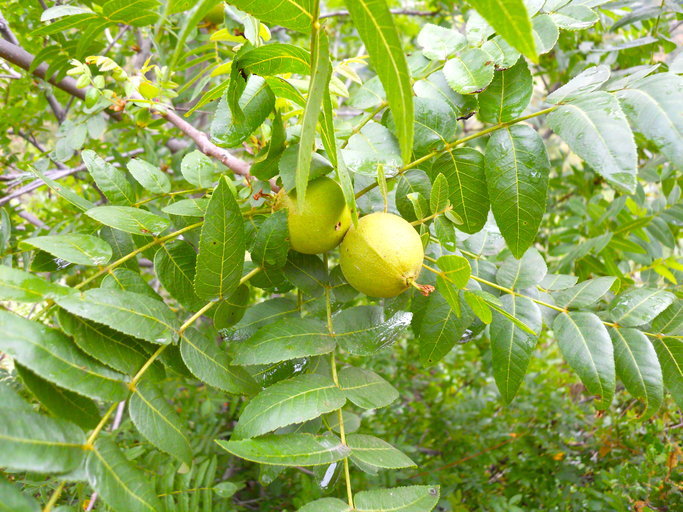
(6, 31)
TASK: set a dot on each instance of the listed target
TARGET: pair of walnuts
(381, 256)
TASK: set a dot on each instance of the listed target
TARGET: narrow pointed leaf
(583, 294)
(585, 344)
(175, 264)
(72, 248)
(22, 286)
(288, 449)
(110, 180)
(149, 176)
(670, 355)
(128, 219)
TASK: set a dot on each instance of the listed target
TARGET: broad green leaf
(510, 19)
(275, 59)
(375, 25)
(72, 248)
(414, 498)
(293, 14)
(11, 399)
(261, 314)
(470, 72)
(299, 399)
(32, 442)
(60, 402)
(266, 164)
(22, 286)
(521, 273)
(154, 417)
(110, 180)
(374, 145)
(438, 43)
(199, 170)
(652, 105)
(517, 169)
(479, 302)
(221, 246)
(187, 207)
(596, 129)
(638, 368)
(121, 244)
(149, 176)
(375, 452)
(320, 166)
(558, 281)
(231, 310)
(585, 82)
(211, 364)
(272, 242)
(511, 348)
(326, 505)
(108, 346)
(670, 355)
(434, 125)
(366, 389)
(287, 339)
(546, 33)
(128, 280)
(586, 345)
(412, 182)
(438, 199)
(465, 172)
(138, 14)
(63, 191)
(174, 264)
(440, 329)
(362, 330)
(13, 500)
(130, 220)
(257, 102)
(574, 17)
(503, 55)
(127, 312)
(670, 321)
(639, 306)
(288, 449)
(117, 481)
(435, 87)
(508, 95)
(584, 294)
(52, 355)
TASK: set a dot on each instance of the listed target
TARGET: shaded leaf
(670, 355)
(149, 176)
(639, 306)
(508, 95)
(130, 220)
(366, 389)
(73, 248)
(21, 286)
(110, 180)
(375, 452)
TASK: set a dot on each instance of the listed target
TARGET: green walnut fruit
(381, 256)
(322, 222)
(215, 15)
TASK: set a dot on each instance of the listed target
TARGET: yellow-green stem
(55, 496)
(432, 216)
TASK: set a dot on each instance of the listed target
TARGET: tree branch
(405, 12)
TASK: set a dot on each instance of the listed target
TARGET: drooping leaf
(638, 367)
(231, 310)
(586, 345)
(651, 105)
(22, 286)
(128, 219)
(110, 180)
(670, 355)
(72, 248)
(670, 321)
(436, 87)
(174, 264)
(508, 95)
(295, 400)
(546, 33)
(52, 355)
(464, 169)
(121, 485)
(61, 403)
(510, 19)
(288, 339)
(275, 59)
(438, 43)
(127, 312)
(366, 389)
(638, 306)
(154, 417)
(32, 442)
(440, 329)
(210, 364)
(376, 452)
(272, 242)
(596, 129)
(374, 145)
(511, 348)
(221, 246)
(414, 498)
(375, 25)
(585, 82)
(199, 170)
(149, 176)
(517, 169)
(288, 449)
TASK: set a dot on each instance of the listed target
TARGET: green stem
(432, 216)
(455, 143)
(55, 496)
(363, 122)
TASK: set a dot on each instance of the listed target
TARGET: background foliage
(163, 349)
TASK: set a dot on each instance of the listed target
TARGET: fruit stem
(424, 289)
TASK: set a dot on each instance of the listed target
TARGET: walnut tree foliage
(537, 148)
